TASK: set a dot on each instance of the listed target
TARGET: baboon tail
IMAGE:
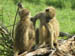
(62, 34)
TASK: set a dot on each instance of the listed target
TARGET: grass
(66, 17)
(67, 20)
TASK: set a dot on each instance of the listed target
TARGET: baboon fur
(49, 27)
(25, 34)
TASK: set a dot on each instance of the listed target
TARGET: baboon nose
(47, 10)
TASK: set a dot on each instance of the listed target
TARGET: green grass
(66, 17)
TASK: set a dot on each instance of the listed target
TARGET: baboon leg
(50, 37)
(37, 36)
(55, 41)
(42, 37)
(52, 41)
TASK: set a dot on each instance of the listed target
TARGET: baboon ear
(20, 5)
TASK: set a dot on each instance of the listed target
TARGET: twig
(64, 48)
(14, 23)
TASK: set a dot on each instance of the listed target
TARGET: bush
(59, 3)
(6, 43)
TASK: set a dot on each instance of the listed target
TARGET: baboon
(49, 27)
(25, 34)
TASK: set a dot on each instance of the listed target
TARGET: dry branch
(67, 47)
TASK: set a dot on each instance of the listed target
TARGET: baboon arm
(37, 16)
(50, 31)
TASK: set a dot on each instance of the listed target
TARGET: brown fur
(25, 35)
(49, 27)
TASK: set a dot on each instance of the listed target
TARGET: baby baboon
(49, 27)
(25, 34)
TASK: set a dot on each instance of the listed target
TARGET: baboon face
(50, 12)
(24, 13)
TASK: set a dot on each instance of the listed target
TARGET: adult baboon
(25, 34)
